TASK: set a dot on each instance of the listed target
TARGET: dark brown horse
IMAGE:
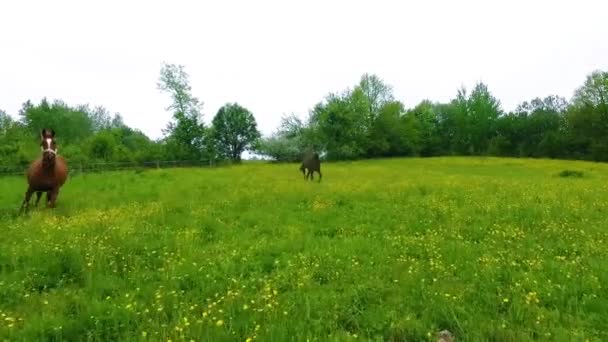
(47, 173)
(311, 163)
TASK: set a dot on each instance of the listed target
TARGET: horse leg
(52, 198)
(26, 200)
(38, 195)
(320, 175)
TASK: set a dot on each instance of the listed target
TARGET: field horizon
(489, 248)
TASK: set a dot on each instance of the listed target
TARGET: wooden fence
(75, 168)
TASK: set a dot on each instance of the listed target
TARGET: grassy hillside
(490, 249)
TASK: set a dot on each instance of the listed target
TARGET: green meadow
(491, 249)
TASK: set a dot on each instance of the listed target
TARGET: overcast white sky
(277, 57)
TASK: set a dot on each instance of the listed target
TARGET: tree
(15, 145)
(482, 111)
(594, 93)
(98, 116)
(292, 138)
(103, 146)
(550, 104)
(341, 124)
(5, 122)
(587, 118)
(234, 130)
(291, 126)
(540, 121)
(427, 124)
(280, 148)
(73, 125)
(392, 133)
(117, 121)
(186, 134)
(510, 136)
(376, 92)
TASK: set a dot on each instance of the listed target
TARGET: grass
(571, 173)
(387, 250)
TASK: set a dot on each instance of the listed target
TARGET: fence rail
(75, 168)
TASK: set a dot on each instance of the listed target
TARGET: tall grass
(392, 250)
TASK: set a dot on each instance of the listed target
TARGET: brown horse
(47, 173)
(311, 163)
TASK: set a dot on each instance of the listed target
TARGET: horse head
(48, 146)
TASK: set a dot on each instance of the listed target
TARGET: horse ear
(52, 133)
(42, 133)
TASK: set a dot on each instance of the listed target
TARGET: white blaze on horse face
(48, 148)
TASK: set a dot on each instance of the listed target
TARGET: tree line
(92, 135)
(365, 121)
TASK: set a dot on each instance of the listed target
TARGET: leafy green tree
(117, 121)
(16, 147)
(103, 146)
(376, 93)
(379, 107)
(292, 138)
(100, 118)
(341, 123)
(483, 111)
(291, 126)
(280, 148)
(587, 119)
(468, 123)
(185, 135)
(140, 147)
(392, 133)
(8, 148)
(427, 128)
(453, 124)
(5, 122)
(594, 93)
(72, 125)
(234, 130)
(510, 135)
(542, 120)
